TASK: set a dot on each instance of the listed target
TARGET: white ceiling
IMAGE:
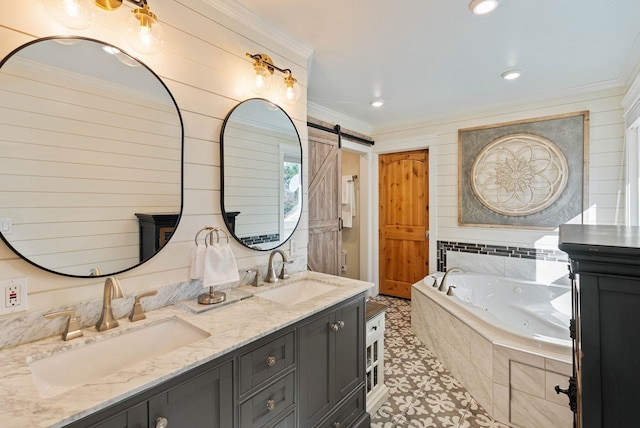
(431, 59)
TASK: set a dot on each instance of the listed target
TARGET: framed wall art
(529, 174)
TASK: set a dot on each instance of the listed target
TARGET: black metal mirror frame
(4, 238)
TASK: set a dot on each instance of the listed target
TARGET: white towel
(348, 201)
(197, 262)
(345, 184)
(219, 265)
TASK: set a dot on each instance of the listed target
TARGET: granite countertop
(231, 326)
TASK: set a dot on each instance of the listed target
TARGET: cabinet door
(204, 401)
(135, 417)
(349, 349)
(331, 361)
(315, 369)
(611, 345)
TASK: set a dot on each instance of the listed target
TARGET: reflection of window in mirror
(291, 191)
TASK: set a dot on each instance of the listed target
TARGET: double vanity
(289, 355)
(283, 355)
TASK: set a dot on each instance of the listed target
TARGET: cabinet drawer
(266, 405)
(266, 361)
(348, 412)
(375, 326)
(287, 421)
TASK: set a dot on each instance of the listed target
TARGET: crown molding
(326, 115)
(266, 29)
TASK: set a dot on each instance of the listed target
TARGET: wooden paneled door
(403, 221)
(324, 202)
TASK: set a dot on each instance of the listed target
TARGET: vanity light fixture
(264, 68)
(74, 14)
(482, 7)
(511, 74)
(144, 33)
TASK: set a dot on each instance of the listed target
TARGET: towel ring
(200, 231)
(225, 234)
(210, 236)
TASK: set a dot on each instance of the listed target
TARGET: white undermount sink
(88, 363)
(296, 292)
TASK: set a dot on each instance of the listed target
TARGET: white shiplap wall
(204, 66)
(78, 160)
(605, 172)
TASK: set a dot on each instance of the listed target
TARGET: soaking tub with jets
(506, 340)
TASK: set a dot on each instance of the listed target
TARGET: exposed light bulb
(261, 76)
(144, 32)
(292, 90)
(482, 7)
(74, 14)
(377, 103)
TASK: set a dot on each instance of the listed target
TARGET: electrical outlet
(14, 292)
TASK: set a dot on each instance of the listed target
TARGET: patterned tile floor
(423, 393)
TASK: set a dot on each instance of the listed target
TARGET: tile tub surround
(531, 264)
(230, 326)
(510, 379)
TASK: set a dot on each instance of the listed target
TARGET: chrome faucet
(443, 286)
(271, 273)
(112, 290)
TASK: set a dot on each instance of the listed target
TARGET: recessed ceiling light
(377, 103)
(511, 74)
(482, 7)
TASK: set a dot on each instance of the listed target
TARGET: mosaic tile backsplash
(497, 250)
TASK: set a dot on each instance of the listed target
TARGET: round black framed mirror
(261, 174)
(91, 148)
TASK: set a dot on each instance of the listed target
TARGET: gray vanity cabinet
(331, 367)
(310, 374)
(201, 398)
(204, 401)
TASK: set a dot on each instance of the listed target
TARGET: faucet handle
(283, 270)
(137, 313)
(72, 330)
(256, 279)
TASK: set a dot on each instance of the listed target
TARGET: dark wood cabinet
(331, 366)
(605, 262)
(155, 229)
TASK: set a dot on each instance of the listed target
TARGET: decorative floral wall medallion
(523, 174)
(519, 174)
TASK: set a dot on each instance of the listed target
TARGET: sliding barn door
(324, 202)
(404, 221)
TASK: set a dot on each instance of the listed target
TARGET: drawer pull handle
(271, 361)
(337, 424)
(271, 404)
(162, 422)
(341, 324)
